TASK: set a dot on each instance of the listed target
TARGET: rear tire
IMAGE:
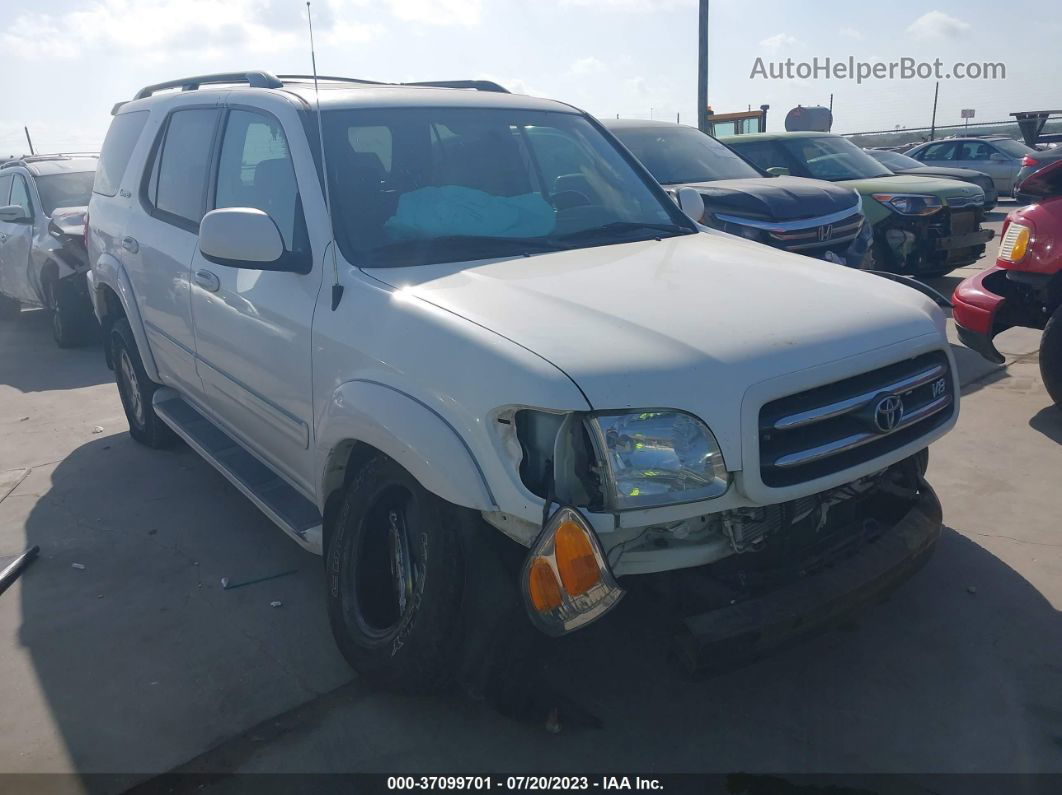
(9, 308)
(136, 389)
(1051, 357)
(395, 570)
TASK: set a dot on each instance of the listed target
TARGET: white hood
(688, 322)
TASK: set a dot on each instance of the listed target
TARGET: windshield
(65, 190)
(682, 154)
(414, 186)
(1013, 148)
(894, 160)
(833, 158)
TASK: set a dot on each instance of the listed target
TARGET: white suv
(488, 366)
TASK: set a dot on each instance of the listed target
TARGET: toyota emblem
(888, 413)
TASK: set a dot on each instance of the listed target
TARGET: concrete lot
(140, 662)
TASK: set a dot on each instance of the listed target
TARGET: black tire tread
(1051, 357)
(155, 433)
(431, 651)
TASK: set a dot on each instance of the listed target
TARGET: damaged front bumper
(843, 582)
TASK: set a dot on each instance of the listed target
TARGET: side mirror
(998, 158)
(13, 213)
(243, 237)
(691, 202)
(778, 171)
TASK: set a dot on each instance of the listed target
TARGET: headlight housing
(910, 203)
(657, 457)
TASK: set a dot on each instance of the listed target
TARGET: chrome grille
(830, 428)
(818, 235)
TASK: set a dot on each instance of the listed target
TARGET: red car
(1025, 286)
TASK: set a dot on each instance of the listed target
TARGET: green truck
(923, 226)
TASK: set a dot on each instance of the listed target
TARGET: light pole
(702, 67)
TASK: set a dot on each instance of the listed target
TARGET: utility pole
(702, 67)
(29, 140)
(933, 124)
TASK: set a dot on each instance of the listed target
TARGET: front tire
(395, 569)
(136, 389)
(69, 323)
(1051, 357)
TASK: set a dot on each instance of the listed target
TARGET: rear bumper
(744, 631)
(975, 308)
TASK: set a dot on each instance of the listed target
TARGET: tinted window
(763, 153)
(64, 190)
(683, 154)
(178, 183)
(832, 158)
(256, 171)
(941, 151)
(20, 195)
(117, 147)
(894, 160)
(412, 186)
(1013, 148)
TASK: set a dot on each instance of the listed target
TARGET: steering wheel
(565, 199)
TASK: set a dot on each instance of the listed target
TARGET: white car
(42, 241)
(489, 369)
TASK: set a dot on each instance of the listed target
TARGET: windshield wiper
(454, 248)
(626, 226)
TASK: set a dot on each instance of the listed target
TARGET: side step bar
(274, 496)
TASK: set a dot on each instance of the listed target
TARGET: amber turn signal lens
(575, 559)
(543, 586)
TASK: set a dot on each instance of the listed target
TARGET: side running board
(274, 496)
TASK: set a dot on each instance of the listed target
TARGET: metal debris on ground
(276, 604)
(230, 586)
(98, 429)
(80, 566)
(14, 569)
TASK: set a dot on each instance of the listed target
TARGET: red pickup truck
(1025, 286)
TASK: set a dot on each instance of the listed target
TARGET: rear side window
(117, 147)
(177, 185)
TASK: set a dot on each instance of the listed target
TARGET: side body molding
(409, 431)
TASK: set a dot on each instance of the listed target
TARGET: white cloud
(851, 33)
(638, 85)
(439, 12)
(937, 25)
(778, 41)
(587, 66)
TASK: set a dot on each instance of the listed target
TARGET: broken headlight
(657, 457)
(910, 203)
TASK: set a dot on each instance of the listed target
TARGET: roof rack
(332, 79)
(20, 160)
(255, 79)
(478, 85)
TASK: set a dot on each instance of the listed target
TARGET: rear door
(978, 156)
(938, 154)
(252, 327)
(161, 241)
(16, 240)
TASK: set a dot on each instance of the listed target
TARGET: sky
(73, 59)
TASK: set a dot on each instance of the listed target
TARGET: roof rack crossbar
(257, 79)
(478, 85)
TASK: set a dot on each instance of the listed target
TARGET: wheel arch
(367, 418)
(113, 298)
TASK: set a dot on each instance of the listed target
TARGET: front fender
(410, 432)
(108, 271)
